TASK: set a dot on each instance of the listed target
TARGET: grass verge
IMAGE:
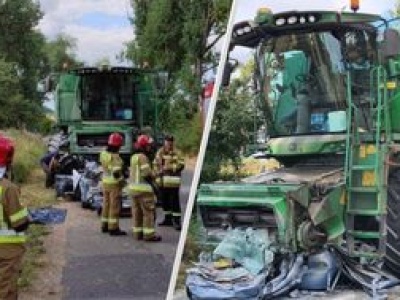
(33, 194)
(191, 252)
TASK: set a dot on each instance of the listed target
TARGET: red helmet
(115, 139)
(6, 151)
(142, 141)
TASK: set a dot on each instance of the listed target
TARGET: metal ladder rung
(362, 167)
(364, 189)
(365, 234)
(365, 212)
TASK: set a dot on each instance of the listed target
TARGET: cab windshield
(304, 76)
(108, 96)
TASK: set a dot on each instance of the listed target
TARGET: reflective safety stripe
(176, 214)
(112, 221)
(104, 220)
(144, 167)
(148, 230)
(167, 212)
(136, 186)
(23, 213)
(169, 181)
(12, 239)
(8, 235)
(137, 229)
(108, 178)
(2, 220)
(140, 188)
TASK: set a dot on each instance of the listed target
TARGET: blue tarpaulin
(48, 215)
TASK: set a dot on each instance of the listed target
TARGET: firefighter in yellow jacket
(143, 197)
(13, 222)
(112, 185)
(169, 163)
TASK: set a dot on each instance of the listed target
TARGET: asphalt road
(99, 266)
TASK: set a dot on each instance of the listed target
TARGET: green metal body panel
(301, 145)
(101, 130)
(252, 195)
(395, 112)
(67, 109)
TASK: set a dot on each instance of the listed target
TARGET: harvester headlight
(292, 20)
(280, 22)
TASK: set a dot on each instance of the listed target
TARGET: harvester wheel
(392, 258)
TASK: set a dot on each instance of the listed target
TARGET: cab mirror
(391, 43)
(230, 66)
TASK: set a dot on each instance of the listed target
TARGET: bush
(28, 150)
(188, 135)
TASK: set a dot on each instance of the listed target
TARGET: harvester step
(365, 234)
(365, 254)
(362, 167)
(365, 212)
(372, 189)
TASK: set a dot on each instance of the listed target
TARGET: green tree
(60, 53)
(16, 111)
(179, 36)
(21, 43)
(232, 127)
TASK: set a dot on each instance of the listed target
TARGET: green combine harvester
(91, 103)
(328, 88)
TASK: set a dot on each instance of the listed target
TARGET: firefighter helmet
(6, 151)
(115, 139)
(142, 141)
(6, 155)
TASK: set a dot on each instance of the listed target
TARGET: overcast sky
(246, 10)
(101, 27)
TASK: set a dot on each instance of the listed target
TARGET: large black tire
(392, 258)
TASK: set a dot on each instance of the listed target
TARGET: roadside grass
(29, 148)
(29, 176)
(191, 252)
(33, 194)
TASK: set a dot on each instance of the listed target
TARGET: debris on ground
(47, 215)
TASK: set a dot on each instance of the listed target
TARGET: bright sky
(246, 10)
(101, 27)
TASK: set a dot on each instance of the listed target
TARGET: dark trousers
(170, 202)
(50, 179)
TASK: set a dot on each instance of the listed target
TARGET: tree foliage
(21, 44)
(59, 53)
(26, 57)
(179, 36)
(232, 128)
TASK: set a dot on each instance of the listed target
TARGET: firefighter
(13, 222)
(169, 163)
(112, 185)
(141, 187)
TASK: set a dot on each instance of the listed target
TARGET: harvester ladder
(365, 171)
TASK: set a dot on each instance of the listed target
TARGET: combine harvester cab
(95, 102)
(327, 85)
